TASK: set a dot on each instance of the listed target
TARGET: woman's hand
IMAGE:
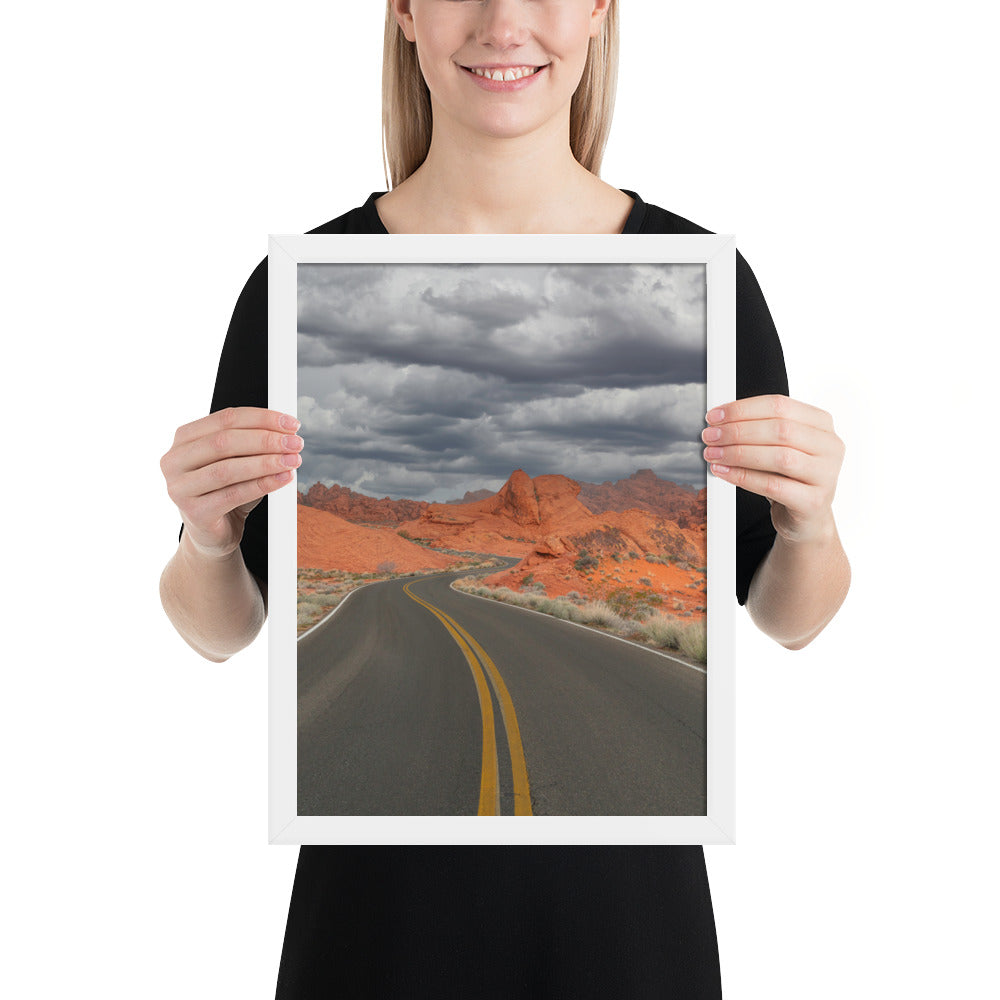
(788, 452)
(784, 450)
(221, 466)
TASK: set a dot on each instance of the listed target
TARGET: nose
(503, 24)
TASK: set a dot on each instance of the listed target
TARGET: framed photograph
(501, 591)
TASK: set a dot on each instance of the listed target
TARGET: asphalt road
(418, 700)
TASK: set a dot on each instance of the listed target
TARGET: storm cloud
(427, 380)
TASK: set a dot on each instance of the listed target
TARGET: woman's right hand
(221, 466)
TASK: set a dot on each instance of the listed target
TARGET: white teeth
(514, 73)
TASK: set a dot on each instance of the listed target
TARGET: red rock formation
(473, 496)
(565, 546)
(509, 522)
(353, 506)
(592, 547)
(516, 499)
(644, 490)
(326, 541)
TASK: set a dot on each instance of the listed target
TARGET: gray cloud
(428, 380)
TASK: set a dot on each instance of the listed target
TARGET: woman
(496, 113)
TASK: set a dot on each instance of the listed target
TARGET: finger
(212, 507)
(230, 472)
(237, 417)
(787, 462)
(770, 407)
(779, 489)
(784, 433)
(229, 443)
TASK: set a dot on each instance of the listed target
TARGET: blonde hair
(406, 101)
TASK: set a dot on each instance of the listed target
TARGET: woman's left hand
(784, 450)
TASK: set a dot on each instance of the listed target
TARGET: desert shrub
(386, 567)
(561, 608)
(660, 630)
(584, 561)
(311, 607)
(548, 605)
(636, 631)
(606, 537)
(631, 603)
(694, 642)
(645, 581)
(601, 614)
(663, 631)
(305, 616)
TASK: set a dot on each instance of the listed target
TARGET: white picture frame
(717, 254)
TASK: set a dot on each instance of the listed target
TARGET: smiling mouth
(504, 74)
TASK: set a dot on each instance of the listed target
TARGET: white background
(152, 148)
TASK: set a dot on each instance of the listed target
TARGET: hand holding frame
(781, 449)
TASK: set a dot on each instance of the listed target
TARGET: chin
(505, 124)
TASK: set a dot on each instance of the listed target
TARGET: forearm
(214, 603)
(798, 588)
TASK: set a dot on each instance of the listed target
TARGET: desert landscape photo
(501, 529)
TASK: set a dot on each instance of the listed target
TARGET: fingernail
(292, 442)
(721, 470)
(292, 460)
(289, 423)
(711, 453)
(714, 416)
(711, 434)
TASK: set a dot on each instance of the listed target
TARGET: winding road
(415, 699)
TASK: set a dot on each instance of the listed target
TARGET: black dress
(506, 922)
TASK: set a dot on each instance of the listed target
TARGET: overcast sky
(427, 380)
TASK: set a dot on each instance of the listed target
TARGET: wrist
(818, 534)
(204, 555)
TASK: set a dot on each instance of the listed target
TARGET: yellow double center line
(489, 785)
